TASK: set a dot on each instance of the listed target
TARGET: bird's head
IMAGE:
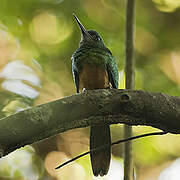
(89, 37)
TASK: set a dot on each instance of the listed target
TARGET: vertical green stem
(130, 76)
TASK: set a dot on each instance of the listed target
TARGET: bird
(94, 67)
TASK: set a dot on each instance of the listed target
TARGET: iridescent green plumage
(94, 67)
(100, 56)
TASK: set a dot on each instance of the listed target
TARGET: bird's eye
(96, 38)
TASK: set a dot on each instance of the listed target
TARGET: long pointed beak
(84, 32)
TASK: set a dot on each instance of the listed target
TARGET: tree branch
(92, 107)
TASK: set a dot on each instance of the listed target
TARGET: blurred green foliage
(37, 39)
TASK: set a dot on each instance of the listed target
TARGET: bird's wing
(76, 79)
(113, 74)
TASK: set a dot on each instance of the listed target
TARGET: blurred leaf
(22, 163)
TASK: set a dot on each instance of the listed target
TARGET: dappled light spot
(19, 21)
(22, 164)
(58, 1)
(74, 142)
(175, 59)
(115, 170)
(15, 75)
(54, 158)
(145, 37)
(14, 107)
(18, 87)
(167, 5)
(18, 70)
(171, 172)
(122, 79)
(53, 1)
(9, 45)
(48, 29)
(170, 65)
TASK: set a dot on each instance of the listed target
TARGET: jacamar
(94, 67)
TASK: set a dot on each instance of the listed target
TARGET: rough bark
(89, 108)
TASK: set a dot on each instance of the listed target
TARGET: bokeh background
(37, 39)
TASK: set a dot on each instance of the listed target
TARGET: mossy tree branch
(92, 107)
